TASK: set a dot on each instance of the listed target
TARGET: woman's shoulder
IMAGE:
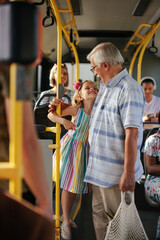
(45, 92)
(155, 98)
(153, 140)
(152, 146)
(70, 92)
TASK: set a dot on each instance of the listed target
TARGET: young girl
(74, 148)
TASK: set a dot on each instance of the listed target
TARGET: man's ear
(106, 65)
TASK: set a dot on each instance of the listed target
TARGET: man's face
(98, 71)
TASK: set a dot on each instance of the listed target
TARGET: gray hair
(106, 52)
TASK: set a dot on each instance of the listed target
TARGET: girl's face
(148, 89)
(64, 76)
(89, 91)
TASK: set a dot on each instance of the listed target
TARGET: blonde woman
(53, 83)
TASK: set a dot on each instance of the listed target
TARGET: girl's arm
(54, 117)
(153, 168)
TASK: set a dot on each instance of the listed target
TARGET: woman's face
(148, 89)
(64, 76)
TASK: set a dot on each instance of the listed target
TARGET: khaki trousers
(105, 202)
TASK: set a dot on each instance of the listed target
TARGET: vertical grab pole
(58, 110)
(60, 28)
(133, 59)
(136, 53)
(15, 148)
(58, 135)
(140, 43)
(76, 60)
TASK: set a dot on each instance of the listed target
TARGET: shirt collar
(116, 79)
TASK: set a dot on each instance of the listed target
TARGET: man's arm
(127, 181)
(32, 159)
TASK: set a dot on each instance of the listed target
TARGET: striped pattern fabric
(74, 156)
(122, 107)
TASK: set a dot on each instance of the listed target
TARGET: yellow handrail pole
(15, 154)
(77, 208)
(133, 60)
(155, 27)
(136, 53)
(136, 34)
(75, 28)
(60, 29)
(74, 51)
(77, 61)
(66, 35)
(58, 110)
(140, 43)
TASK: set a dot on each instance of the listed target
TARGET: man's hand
(127, 182)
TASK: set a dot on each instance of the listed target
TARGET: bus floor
(85, 231)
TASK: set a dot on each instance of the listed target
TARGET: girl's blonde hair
(52, 81)
(77, 101)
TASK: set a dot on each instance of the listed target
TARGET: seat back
(41, 118)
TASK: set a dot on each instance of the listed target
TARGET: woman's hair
(106, 52)
(52, 81)
(148, 79)
(76, 101)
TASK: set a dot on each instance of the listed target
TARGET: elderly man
(115, 135)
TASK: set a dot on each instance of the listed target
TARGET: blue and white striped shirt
(121, 106)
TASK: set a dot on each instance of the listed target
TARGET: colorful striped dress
(74, 156)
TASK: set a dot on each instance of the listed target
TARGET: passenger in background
(152, 160)
(53, 83)
(74, 148)
(152, 103)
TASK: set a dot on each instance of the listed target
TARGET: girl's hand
(53, 104)
(150, 119)
(154, 119)
(68, 125)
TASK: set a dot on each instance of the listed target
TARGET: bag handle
(131, 194)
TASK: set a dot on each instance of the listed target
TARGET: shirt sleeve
(131, 106)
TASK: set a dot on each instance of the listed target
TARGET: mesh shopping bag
(126, 224)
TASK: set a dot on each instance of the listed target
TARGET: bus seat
(41, 118)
